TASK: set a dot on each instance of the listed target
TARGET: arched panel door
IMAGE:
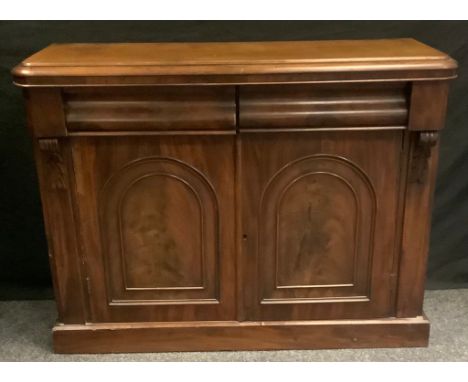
(160, 225)
(156, 226)
(317, 219)
(317, 224)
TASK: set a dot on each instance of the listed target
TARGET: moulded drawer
(340, 105)
(150, 108)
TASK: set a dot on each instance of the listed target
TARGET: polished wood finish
(218, 196)
(215, 336)
(54, 172)
(292, 106)
(163, 207)
(428, 105)
(164, 108)
(45, 113)
(319, 235)
(235, 63)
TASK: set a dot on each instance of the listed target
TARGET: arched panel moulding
(164, 215)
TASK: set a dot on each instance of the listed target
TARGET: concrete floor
(25, 336)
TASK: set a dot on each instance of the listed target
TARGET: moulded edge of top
(437, 67)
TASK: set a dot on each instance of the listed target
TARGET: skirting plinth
(231, 335)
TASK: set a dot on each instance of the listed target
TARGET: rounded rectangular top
(233, 62)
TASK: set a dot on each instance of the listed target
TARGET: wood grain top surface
(233, 58)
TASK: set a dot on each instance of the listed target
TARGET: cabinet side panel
(427, 116)
(416, 229)
(55, 185)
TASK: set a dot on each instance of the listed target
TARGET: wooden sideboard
(217, 196)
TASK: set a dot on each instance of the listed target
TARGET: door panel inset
(153, 256)
(320, 210)
(161, 216)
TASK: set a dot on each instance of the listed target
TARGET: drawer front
(150, 109)
(329, 106)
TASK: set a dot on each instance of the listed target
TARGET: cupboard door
(156, 226)
(318, 223)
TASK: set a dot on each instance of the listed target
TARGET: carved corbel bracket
(426, 140)
(54, 164)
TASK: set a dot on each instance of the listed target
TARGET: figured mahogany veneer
(300, 106)
(165, 108)
(220, 196)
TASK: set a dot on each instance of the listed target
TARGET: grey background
(24, 271)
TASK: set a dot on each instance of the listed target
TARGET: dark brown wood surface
(318, 219)
(215, 336)
(428, 105)
(299, 106)
(56, 182)
(158, 226)
(251, 207)
(45, 112)
(287, 61)
(161, 108)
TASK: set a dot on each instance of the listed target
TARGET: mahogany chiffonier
(217, 196)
